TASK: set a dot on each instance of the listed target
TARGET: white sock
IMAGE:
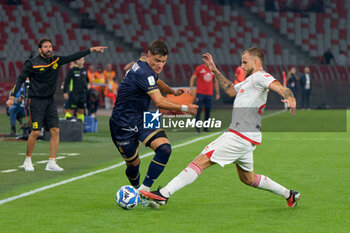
(264, 182)
(144, 188)
(186, 177)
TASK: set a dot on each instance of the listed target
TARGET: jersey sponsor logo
(35, 125)
(42, 69)
(207, 77)
(267, 75)
(124, 143)
(202, 71)
(151, 81)
(135, 67)
(151, 120)
(55, 66)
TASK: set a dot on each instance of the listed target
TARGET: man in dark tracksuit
(42, 71)
(75, 88)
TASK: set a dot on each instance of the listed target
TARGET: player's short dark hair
(158, 47)
(254, 51)
(43, 40)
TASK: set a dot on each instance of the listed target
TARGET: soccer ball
(127, 197)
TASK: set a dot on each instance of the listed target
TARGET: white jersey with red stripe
(249, 105)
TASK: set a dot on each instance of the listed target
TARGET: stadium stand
(313, 25)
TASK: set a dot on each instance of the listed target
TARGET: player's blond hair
(254, 51)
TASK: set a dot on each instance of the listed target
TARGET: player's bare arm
(162, 102)
(287, 95)
(192, 80)
(224, 83)
(217, 90)
(165, 89)
(128, 66)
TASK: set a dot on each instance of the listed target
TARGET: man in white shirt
(237, 145)
(342, 61)
(306, 87)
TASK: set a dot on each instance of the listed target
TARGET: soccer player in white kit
(237, 145)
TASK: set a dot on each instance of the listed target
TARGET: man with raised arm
(237, 145)
(42, 71)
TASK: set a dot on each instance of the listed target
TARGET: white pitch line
(69, 154)
(42, 161)
(9, 170)
(106, 169)
(93, 173)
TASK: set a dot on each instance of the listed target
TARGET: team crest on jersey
(55, 66)
(42, 69)
(151, 81)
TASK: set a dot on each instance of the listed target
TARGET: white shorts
(231, 148)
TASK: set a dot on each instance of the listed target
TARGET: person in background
(306, 87)
(66, 102)
(99, 84)
(108, 73)
(75, 89)
(91, 74)
(239, 74)
(292, 81)
(342, 61)
(111, 92)
(328, 57)
(204, 92)
(16, 111)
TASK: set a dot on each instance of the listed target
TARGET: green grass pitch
(315, 163)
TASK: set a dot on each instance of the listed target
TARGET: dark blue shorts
(127, 139)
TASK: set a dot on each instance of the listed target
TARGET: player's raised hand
(181, 91)
(99, 49)
(291, 104)
(208, 60)
(192, 109)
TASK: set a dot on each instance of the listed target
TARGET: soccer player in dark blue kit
(138, 87)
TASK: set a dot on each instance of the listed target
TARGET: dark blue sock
(133, 174)
(158, 164)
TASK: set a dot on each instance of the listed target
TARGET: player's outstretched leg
(265, 183)
(184, 178)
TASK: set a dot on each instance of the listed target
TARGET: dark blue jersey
(133, 95)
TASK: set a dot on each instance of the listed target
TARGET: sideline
(6, 200)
